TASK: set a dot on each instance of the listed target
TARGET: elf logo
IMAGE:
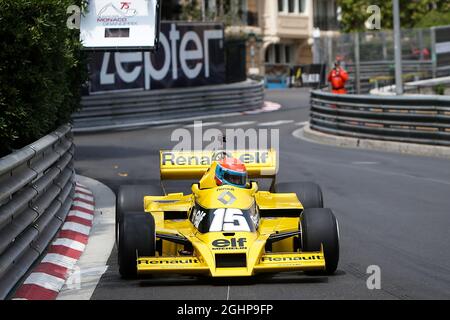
(229, 244)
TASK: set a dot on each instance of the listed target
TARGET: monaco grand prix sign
(189, 54)
(117, 24)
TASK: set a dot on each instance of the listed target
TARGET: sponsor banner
(189, 54)
(206, 158)
(170, 260)
(291, 258)
(193, 164)
(308, 75)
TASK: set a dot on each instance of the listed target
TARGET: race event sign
(120, 24)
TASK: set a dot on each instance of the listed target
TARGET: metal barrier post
(398, 48)
(357, 64)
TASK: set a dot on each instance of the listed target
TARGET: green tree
(191, 11)
(42, 69)
(412, 12)
(434, 18)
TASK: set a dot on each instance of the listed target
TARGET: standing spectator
(337, 77)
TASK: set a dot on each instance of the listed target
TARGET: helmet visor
(236, 178)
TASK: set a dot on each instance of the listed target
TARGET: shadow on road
(280, 278)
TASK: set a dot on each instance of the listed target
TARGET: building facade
(278, 33)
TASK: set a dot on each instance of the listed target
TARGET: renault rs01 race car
(224, 229)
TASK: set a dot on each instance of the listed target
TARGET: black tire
(130, 198)
(137, 238)
(319, 226)
(308, 193)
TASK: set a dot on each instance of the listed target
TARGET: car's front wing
(269, 262)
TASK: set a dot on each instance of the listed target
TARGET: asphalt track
(393, 212)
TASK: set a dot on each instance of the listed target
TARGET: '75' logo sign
(73, 21)
(125, 5)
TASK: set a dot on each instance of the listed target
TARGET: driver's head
(231, 171)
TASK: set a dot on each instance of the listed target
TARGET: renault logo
(227, 198)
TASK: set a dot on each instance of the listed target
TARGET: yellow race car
(224, 230)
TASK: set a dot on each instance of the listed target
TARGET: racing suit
(338, 77)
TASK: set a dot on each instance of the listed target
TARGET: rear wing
(187, 165)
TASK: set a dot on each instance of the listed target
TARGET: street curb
(93, 262)
(306, 133)
(48, 277)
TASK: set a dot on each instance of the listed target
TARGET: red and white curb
(48, 278)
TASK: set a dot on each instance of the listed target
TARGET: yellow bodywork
(176, 165)
(212, 252)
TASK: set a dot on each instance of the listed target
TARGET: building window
(287, 54)
(280, 5)
(325, 14)
(277, 53)
(280, 54)
(301, 6)
(291, 6)
(252, 13)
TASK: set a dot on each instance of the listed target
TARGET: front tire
(320, 227)
(137, 238)
(130, 198)
(308, 193)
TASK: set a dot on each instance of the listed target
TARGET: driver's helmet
(231, 171)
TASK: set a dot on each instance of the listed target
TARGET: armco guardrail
(130, 109)
(370, 71)
(416, 119)
(36, 191)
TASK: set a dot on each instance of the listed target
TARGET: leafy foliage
(434, 18)
(412, 12)
(41, 70)
(191, 11)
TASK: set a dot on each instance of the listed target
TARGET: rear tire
(137, 238)
(308, 193)
(319, 226)
(130, 198)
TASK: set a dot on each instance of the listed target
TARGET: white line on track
(228, 293)
(253, 112)
(238, 124)
(275, 123)
(202, 124)
(364, 162)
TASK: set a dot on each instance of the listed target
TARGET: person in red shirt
(337, 77)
